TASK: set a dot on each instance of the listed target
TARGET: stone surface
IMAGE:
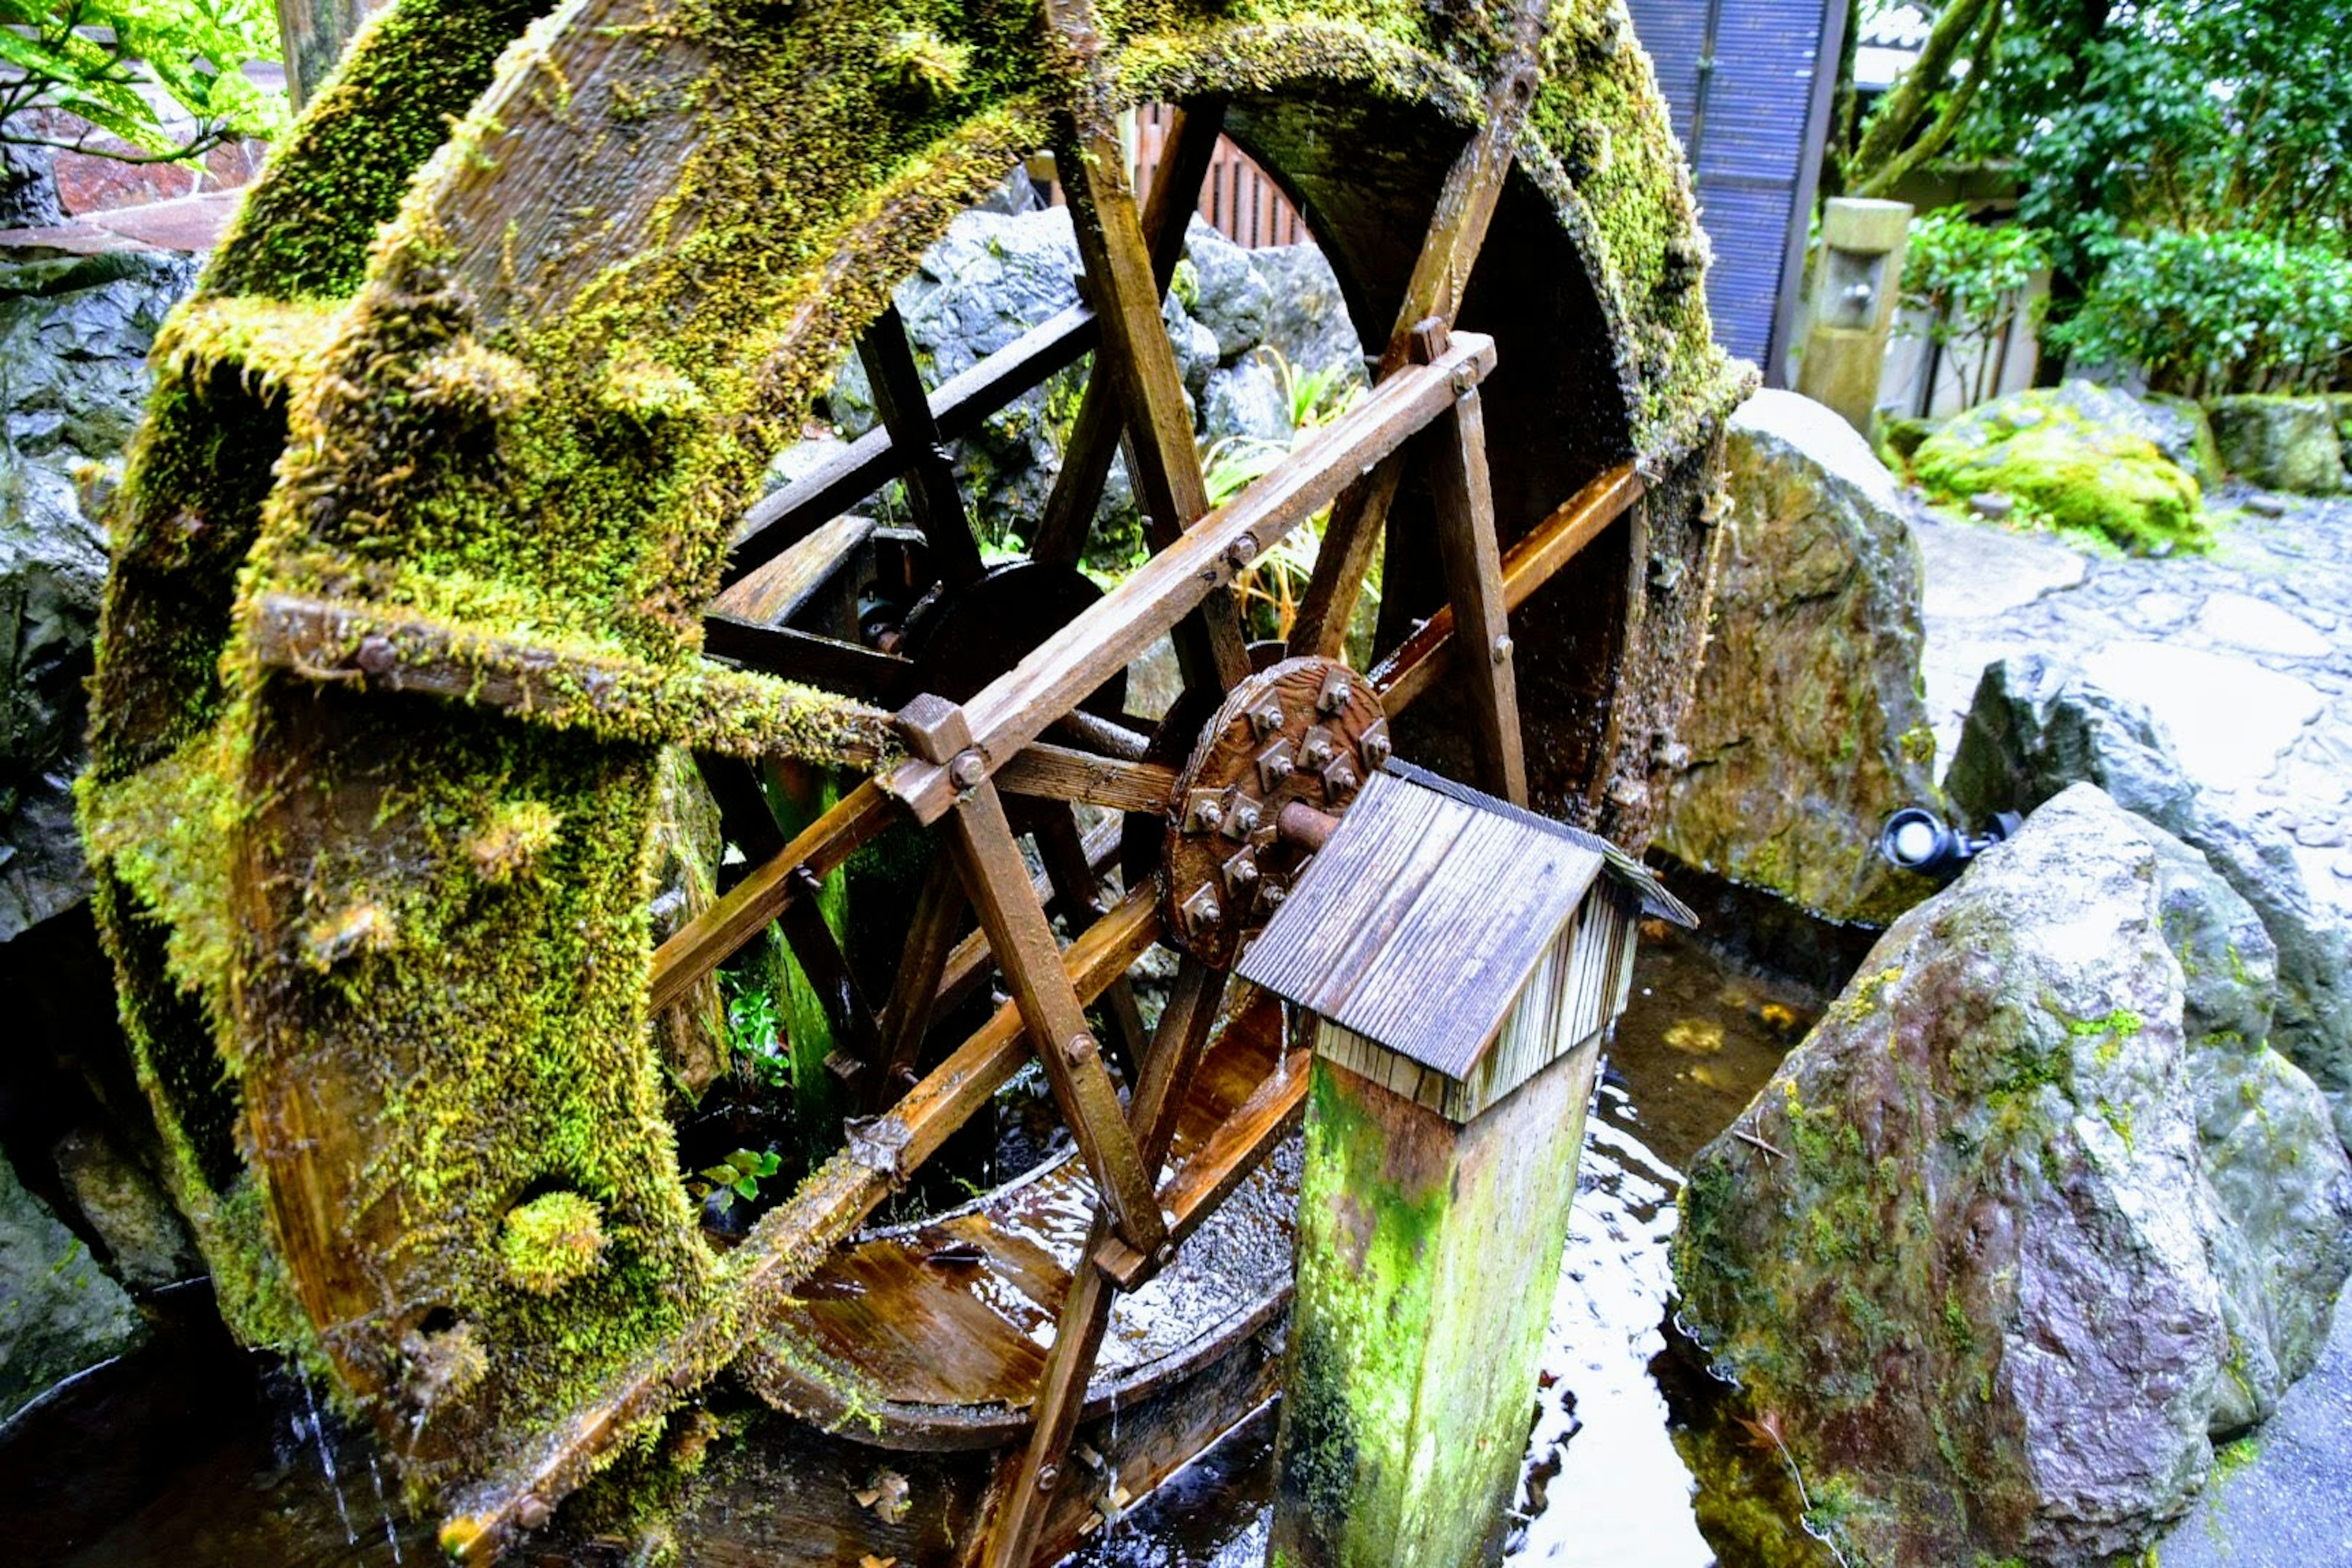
(58, 1311)
(1975, 571)
(1809, 726)
(2039, 725)
(2184, 433)
(2281, 443)
(1309, 324)
(2077, 458)
(2242, 621)
(2231, 718)
(147, 1244)
(74, 336)
(1228, 294)
(1988, 1252)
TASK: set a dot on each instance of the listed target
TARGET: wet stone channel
(192, 1451)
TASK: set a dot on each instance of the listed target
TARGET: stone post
(1855, 291)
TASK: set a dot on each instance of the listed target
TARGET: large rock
(1224, 291)
(74, 336)
(2281, 443)
(2038, 725)
(1308, 323)
(1992, 1253)
(2076, 458)
(58, 1312)
(1810, 725)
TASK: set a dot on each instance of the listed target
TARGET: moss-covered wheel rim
(514, 379)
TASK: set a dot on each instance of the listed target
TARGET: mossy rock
(2069, 474)
(2282, 443)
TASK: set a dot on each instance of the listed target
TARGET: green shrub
(1969, 278)
(2205, 314)
(90, 58)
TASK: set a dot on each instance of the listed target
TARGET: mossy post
(1427, 1252)
(1458, 963)
(1855, 298)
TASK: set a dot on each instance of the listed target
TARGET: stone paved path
(2245, 654)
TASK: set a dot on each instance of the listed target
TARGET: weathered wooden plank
(789, 654)
(931, 936)
(968, 964)
(716, 934)
(998, 882)
(769, 595)
(1414, 664)
(957, 407)
(906, 409)
(1072, 663)
(1059, 772)
(1472, 562)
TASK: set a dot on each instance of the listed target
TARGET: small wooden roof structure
(1420, 924)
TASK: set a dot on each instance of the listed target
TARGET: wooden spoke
(931, 936)
(791, 654)
(1185, 156)
(998, 882)
(867, 464)
(819, 953)
(1175, 1050)
(744, 819)
(1414, 665)
(1163, 455)
(1474, 582)
(968, 964)
(1065, 668)
(721, 930)
(1077, 888)
(906, 409)
(1457, 230)
(768, 597)
(1058, 772)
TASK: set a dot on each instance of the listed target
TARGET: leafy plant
(92, 58)
(1970, 278)
(755, 1029)
(736, 1176)
(2204, 314)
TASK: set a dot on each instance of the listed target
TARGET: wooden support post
(1175, 1050)
(1078, 890)
(905, 410)
(1474, 581)
(1427, 1256)
(931, 935)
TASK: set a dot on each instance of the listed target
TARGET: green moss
(2069, 475)
(550, 1241)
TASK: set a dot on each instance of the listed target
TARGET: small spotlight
(1916, 840)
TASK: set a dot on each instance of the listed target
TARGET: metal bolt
(376, 654)
(1339, 778)
(1503, 646)
(1266, 717)
(1245, 818)
(1336, 693)
(530, 1513)
(1315, 750)
(1081, 1050)
(1242, 551)
(1207, 813)
(1240, 871)
(1165, 1254)
(1278, 768)
(1374, 744)
(1272, 894)
(1047, 1477)
(1465, 379)
(968, 770)
(1202, 910)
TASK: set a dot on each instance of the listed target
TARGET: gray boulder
(147, 1244)
(58, 1311)
(1245, 403)
(2281, 443)
(1309, 324)
(74, 336)
(1989, 1251)
(1808, 725)
(2184, 433)
(1228, 295)
(2037, 725)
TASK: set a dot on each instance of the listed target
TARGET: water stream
(195, 1452)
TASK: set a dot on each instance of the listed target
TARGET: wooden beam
(1176, 1049)
(1072, 663)
(768, 597)
(957, 407)
(906, 411)
(931, 936)
(830, 976)
(1414, 664)
(1474, 581)
(968, 964)
(1077, 887)
(1190, 146)
(1457, 232)
(1060, 773)
(1163, 455)
(789, 654)
(716, 934)
(998, 882)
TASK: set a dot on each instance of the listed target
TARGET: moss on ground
(2067, 474)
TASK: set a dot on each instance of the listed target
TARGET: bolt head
(1241, 872)
(1315, 750)
(1207, 815)
(1245, 818)
(968, 771)
(376, 654)
(1503, 646)
(1272, 894)
(1374, 744)
(1048, 1475)
(1266, 717)
(1339, 778)
(1081, 1048)
(1165, 1254)
(532, 1513)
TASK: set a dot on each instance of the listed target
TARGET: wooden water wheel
(438, 543)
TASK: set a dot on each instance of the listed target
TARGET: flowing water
(193, 1452)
